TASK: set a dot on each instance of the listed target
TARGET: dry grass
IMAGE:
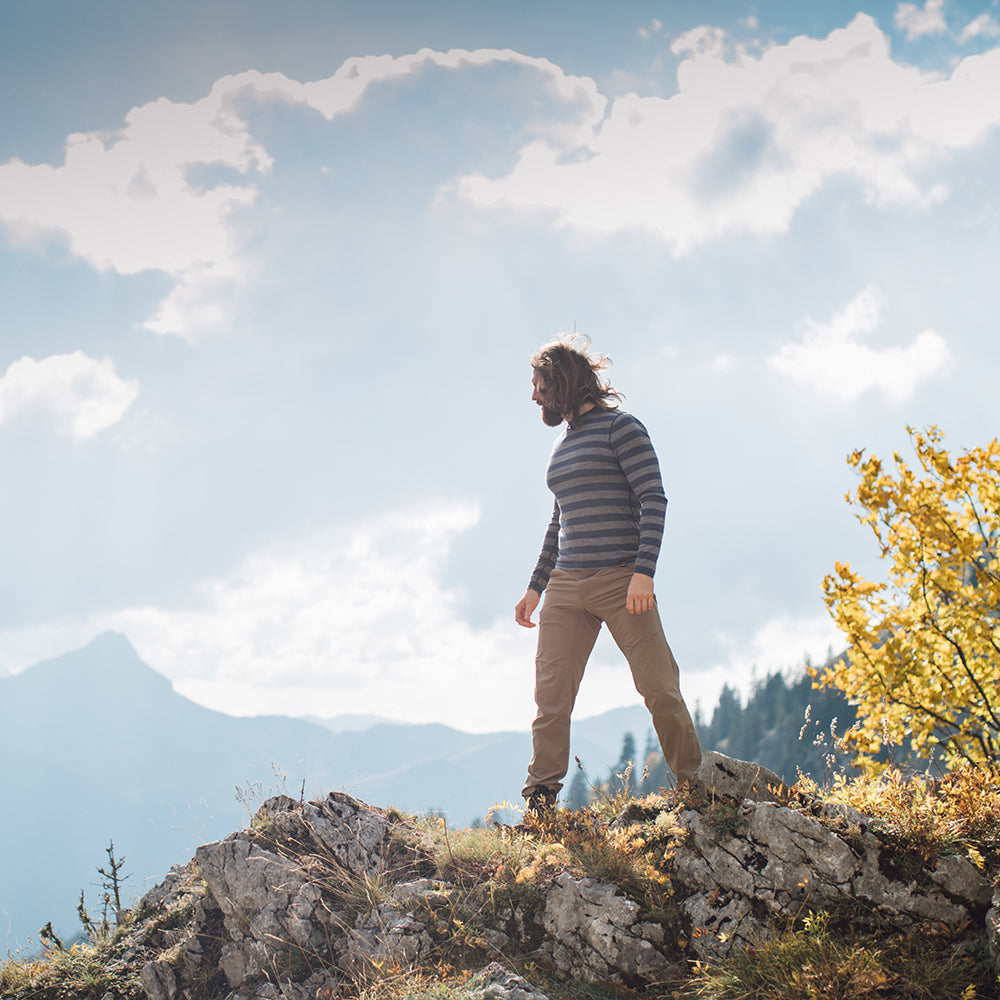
(813, 962)
(958, 813)
(85, 971)
(625, 841)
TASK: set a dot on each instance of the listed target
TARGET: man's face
(553, 418)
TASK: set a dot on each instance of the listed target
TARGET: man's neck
(586, 408)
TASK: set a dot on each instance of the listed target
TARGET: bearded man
(596, 566)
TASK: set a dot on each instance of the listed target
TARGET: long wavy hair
(570, 377)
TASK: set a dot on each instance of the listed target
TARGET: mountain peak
(108, 666)
(110, 639)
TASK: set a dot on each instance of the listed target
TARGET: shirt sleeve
(637, 460)
(547, 557)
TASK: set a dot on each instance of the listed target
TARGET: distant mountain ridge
(349, 722)
(98, 735)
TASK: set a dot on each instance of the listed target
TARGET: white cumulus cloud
(124, 201)
(833, 358)
(744, 141)
(983, 26)
(131, 200)
(748, 138)
(82, 395)
(353, 623)
(918, 21)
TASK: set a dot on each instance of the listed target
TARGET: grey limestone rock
(960, 879)
(387, 935)
(344, 829)
(766, 858)
(392, 933)
(266, 903)
(719, 776)
(594, 932)
(159, 981)
(497, 983)
(317, 985)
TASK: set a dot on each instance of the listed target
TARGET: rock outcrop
(593, 932)
(749, 862)
(318, 897)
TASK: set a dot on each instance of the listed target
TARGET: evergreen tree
(772, 729)
(579, 791)
(626, 765)
(727, 721)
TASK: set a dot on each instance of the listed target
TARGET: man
(596, 566)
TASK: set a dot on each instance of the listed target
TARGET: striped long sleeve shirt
(609, 501)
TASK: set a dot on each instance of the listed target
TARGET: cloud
(358, 622)
(124, 201)
(342, 91)
(787, 642)
(919, 21)
(745, 140)
(160, 193)
(724, 362)
(748, 138)
(352, 621)
(832, 358)
(784, 642)
(982, 26)
(701, 41)
(654, 28)
(83, 396)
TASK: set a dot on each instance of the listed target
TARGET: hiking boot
(542, 800)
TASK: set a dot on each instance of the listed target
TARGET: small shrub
(924, 818)
(81, 972)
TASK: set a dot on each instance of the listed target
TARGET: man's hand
(640, 594)
(526, 608)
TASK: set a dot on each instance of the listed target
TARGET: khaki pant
(576, 603)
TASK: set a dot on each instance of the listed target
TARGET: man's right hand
(526, 608)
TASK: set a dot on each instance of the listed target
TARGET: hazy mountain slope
(98, 736)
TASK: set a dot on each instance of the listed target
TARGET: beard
(550, 417)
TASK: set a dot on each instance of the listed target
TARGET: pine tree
(626, 766)
(579, 791)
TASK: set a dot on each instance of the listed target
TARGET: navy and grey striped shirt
(609, 501)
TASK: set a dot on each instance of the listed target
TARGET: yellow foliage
(958, 813)
(923, 662)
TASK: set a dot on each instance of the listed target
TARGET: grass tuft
(814, 962)
(84, 971)
(924, 818)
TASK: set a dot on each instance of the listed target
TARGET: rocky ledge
(316, 899)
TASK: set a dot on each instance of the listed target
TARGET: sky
(271, 277)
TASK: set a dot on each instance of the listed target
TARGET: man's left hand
(640, 594)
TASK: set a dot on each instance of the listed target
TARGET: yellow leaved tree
(923, 662)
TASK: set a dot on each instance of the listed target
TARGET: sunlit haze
(272, 274)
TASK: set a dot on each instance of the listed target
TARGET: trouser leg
(566, 636)
(655, 674)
